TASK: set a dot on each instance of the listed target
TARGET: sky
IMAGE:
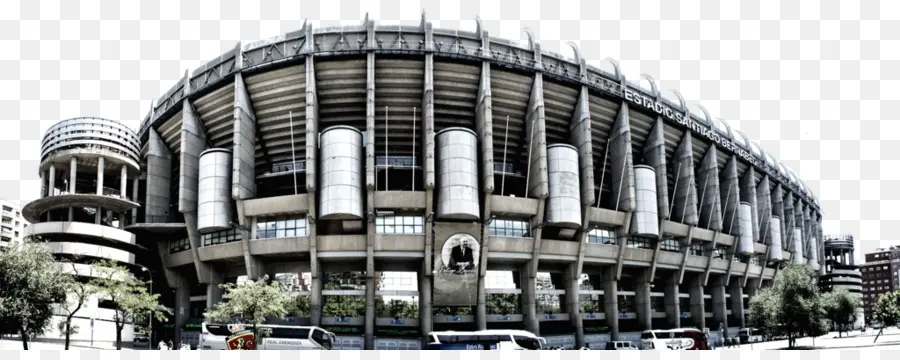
(87, 65)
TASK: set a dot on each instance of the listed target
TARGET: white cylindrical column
(775, 250)
(645, 220)
(73, 171)
(52, 186)
(124, 183)
(797, 246)
(745, 241)
(100, 165)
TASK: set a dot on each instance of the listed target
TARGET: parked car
(621, 345)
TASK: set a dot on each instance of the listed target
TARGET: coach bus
(675, 339)
(280, 337)
(484, 340)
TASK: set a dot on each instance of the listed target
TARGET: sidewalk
(15, 344)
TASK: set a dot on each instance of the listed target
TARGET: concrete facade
(455, 79)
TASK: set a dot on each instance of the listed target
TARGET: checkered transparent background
(812, 81)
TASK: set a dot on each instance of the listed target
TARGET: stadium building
(454, 155)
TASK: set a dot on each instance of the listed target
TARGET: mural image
(456, 271)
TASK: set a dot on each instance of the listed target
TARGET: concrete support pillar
(737, 303)
(135, 185)
(752, 287)
(611, 301)
(644, 311)
(100, 168)
(573, 305)
(719, 302)
(51, 187)
(673, 305)
(698, 313)
(182, 308)
(529, 300)
(123, 184)
(425, 309)
(316, 301)
(370, 313)
(98, 216)
(213, 291)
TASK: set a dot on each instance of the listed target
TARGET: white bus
(282, 337)
(675, 339)
(484, 340)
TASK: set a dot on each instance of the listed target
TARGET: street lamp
(150, 313)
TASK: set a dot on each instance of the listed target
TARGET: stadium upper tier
(279, 84)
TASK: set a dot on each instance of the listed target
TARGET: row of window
(281, 226)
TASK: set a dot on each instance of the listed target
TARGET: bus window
(647, 335)
(289, 333)
(322, 338)
(218, 330)
(527, 342)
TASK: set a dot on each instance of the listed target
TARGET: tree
(78, 293)
(840, 308)
(502, 304)
(299, 306)
(791, 306)
(887, 310)
(132, 301)
(254, 302)
(30, 284)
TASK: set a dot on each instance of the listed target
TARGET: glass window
(177, 246)
(509, 228)
(602, 236)
(221, 237)
(669, 243)
(697, 250)
(281, 226)
(720, 253)
(399, 225)
(638, 242)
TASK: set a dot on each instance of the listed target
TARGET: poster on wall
(456, 271)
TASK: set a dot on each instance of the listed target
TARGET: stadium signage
(679, 117)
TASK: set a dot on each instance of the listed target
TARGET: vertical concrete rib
(684, 209)
(243, 180)
(370, 185)
(788, 222)
(193, 142)
(708, 184)
(611, 300)
(655, 156)
(159, 179)
(428, 162)
(764, 209)
(798, 224)
(642, 284)
(580, 128)
(312, 162)
(538, 182)
(622, 176)
(483, 128)
(748, 194)
(731, 201)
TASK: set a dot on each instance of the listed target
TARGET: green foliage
(299, 306)
(840, 308)
(452, 310)
(396, 308)
(887, 309)
(502, 304)
(133, 302)
(254, 301)
(30, 284)
(791, 306)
